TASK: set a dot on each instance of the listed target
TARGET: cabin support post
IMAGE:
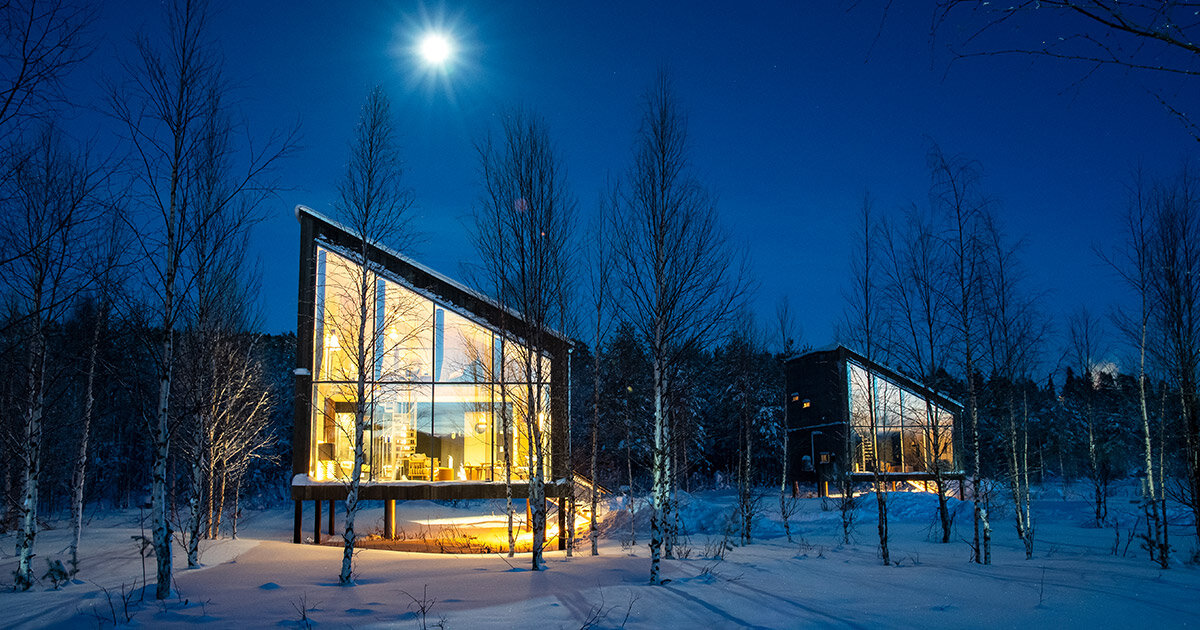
(563, 505)
(298, 523)
(331, 513)
(389, 519)
(317, 522)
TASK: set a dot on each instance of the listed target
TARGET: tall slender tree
(600, 292)
(161, 106)
(108, 273)
(916, 291)
(375, 204)
(865, 325)
(956, 198)
(679, 277)
(51, 198)
(1014, 333)
(1134, 264)
(525, 234)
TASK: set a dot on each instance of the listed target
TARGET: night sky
(795, 109)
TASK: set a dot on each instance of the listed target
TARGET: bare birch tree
(1176, 251)
(600, 294)
(1084, 339)
(161, 106)
(375, 204)
(51, 200)
(1013, 333)
(865, 325)
(680, 280)
(788, 333)
(107, 282)
(917, 291)
(1133, 263)
(525, 236)
(954, 195)
(218, 373)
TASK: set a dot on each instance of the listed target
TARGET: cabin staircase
(867, 451)
(583, 495)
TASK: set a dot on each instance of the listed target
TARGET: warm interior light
(331, 341)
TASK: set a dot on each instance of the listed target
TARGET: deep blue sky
(793, 116)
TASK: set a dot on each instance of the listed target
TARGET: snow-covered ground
(263, 580)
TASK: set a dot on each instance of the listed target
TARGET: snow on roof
(409, 261)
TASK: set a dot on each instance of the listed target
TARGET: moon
(435, 49)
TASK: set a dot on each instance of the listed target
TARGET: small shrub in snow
(56, 573)
(303, 608)
(715, 548)
(805, 548)
(600, 614)
(422, 607)
(120, 609)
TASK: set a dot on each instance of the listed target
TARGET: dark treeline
(1061, 407)
(118, 451)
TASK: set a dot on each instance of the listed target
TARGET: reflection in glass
(434, 409)
(907, 437)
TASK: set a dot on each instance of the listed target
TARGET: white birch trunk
(23, 577)
(360, 411)
(79, 476)
(537, 487)
(783, 463)
(660, 480)
(568, 502)
(195, 499)
(508, 463)
(161, 528)
(593, 532)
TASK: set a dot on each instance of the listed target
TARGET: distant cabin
(442, 377)
(830, 394)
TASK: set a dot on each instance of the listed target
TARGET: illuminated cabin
(830, 393)
(436, 392)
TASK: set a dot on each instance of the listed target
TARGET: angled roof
(423, 279)
(900, 379)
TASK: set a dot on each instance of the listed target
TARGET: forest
(136, 372)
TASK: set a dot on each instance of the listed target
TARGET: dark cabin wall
(820, 378)
(301, 436)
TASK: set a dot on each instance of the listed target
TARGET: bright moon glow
(436, 49)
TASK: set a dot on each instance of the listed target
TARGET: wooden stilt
(332, 511)
(298, 525)
(317, 522)
(562, 522)
(389, 519)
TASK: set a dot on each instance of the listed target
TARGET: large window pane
(396, 436)
(464, 349)
(339, 311)
(462, 432)
(406, 345)
(400, 439)
(523, 418)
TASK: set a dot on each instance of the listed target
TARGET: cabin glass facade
(435, 396)
(910, 434)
